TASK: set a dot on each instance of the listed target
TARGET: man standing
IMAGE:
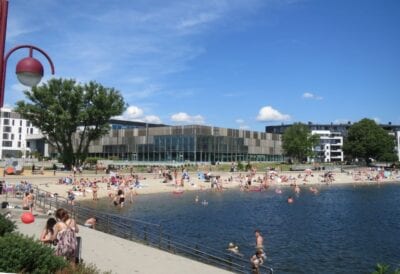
(260, 244)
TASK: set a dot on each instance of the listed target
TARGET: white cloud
(268, 113)
(152, 119)
(134, 113)
(377, 120)
(242, 123)
(183, 117)
(311, 96)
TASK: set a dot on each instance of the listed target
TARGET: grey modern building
(137, 141)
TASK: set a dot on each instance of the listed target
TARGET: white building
(13, 133)
(398, 144)
(330, 148)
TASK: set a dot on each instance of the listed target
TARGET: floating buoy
(27, 218)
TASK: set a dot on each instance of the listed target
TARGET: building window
(19, 144)
(13, 122)
(12, 136)
(31, 130)
(7, 144)
(6, 122)
(7, 129)
(20, 123)
(6, 114)
(5, 136)
(28, 124)
(19, 137)
(28, 144)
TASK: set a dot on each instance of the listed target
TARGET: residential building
(333, 136)
(13, 133)
(330, 147)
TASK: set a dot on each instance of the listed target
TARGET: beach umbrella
(27, 218)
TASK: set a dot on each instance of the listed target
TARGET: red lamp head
(29, 71)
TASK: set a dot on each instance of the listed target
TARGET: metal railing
(147, 233)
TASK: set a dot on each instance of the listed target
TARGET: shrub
(6, 226)
(384, 269)
(22, 254)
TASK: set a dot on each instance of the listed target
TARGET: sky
(228, 63)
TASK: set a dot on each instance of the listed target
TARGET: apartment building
(13, 133)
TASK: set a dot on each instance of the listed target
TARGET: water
(343, 229)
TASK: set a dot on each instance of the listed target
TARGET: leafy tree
(62, 108)
(298, 142)
(368, 140)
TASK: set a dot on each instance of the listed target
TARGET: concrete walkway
(110, 253)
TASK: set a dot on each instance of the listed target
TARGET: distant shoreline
(152, 185)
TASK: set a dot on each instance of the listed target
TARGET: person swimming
(234, 249)
(290, 200)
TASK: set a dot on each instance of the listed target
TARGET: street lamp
(29, 70)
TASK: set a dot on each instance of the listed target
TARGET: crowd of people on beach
(123, 188)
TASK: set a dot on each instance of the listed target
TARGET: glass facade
(187, 143)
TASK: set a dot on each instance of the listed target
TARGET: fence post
(145, 234)
(160, 239)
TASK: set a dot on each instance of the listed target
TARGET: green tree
(62, 108)
(367, 140)
(298, 142)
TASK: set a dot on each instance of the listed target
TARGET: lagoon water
(343, 229)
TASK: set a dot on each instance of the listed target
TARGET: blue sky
(237, 64)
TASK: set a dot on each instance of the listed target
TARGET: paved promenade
(110, 253)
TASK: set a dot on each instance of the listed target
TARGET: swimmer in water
(204, 203)
(314, 190)
(196, 199)
(278, 191)
(234, 249)
(290, 200)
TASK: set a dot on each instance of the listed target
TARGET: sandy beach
(152, 182)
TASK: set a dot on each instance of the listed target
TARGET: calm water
(343, 229)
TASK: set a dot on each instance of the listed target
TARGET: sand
(151, 183)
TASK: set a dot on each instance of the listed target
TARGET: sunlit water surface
(343, 229)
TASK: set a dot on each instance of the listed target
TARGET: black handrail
(147, 233)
